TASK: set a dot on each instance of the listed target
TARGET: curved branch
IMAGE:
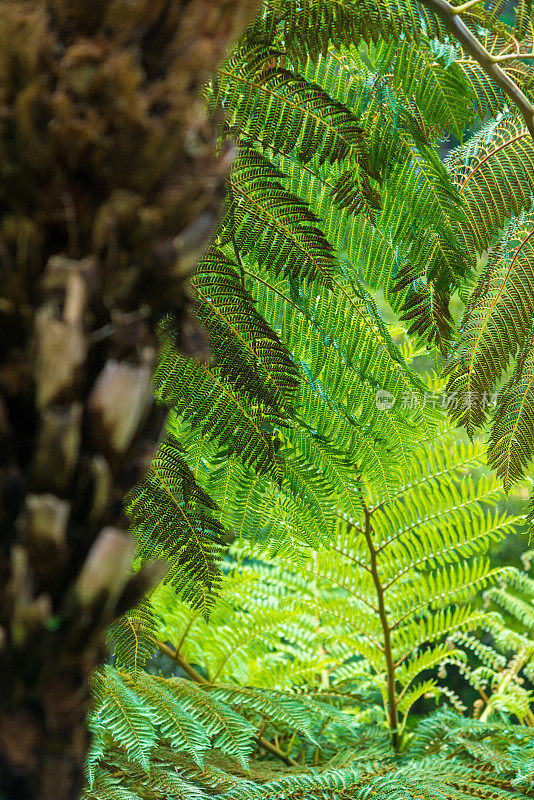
(198, 678)
(450, 17)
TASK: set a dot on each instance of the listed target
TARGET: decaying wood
(110, 184)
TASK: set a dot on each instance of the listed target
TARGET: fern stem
(386, 630)
(234, 242)
(273, 289)
(464, 6)
(275, 751)
(198, 678)
(186, 631)
(182, 663)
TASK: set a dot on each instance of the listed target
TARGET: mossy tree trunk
(109, 188)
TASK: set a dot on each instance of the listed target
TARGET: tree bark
(110, 184)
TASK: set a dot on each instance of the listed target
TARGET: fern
(337, 189)
(391, 583)
(174, 520)
(248, 352)
(511, 446)
(132, 637)
(361, 530)
(497, 321)
(312, 123)
(274, 225)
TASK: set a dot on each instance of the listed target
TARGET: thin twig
(511, 57)
(386, 630)
(464, 6)
(182, 663)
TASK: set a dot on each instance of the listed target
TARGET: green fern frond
(438, 90)
(523, 19)
(119, 712)
(134, 716)
(229, 731)
(174, 519)
(493, 174)
(497, 321)
(274, 225)
(248, 353)
(511, 445)
(282, 109)
(177, 724)
(108, 787)
(290, 711)
(196, 389)
(310, 26)
(426, 309)
(132, 638)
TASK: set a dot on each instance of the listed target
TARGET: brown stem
(265, 743)
(198, 678)
(186, 631)
(450, 17)
(386, 630)
(182, 663)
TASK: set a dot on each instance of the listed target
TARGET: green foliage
(391, 581)
(273, 225)
(169, 735)
(493, 173)
(498, 752)
(175, 520)
(132, 637)
(338, 190)
(361, 527)
(507, 668)
(302, 648)
(137, 722)
(248, 352)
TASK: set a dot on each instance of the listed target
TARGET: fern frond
(282, 109)
(277, 227)
(132, 638)
(122, 715)
(108, 787)
(511, 445)
(309, 27)
(248, 353)
(426, 309)
(193, 388)
(174, 520)
(176, 722)
(496, 323)
(493, 174)
(438, 90)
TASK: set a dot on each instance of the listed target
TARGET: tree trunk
(109, 187)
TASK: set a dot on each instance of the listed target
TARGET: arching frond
(511, 445)
(132, 638)
(247, 352)
(277, 227)
(496, 324)
(282, 109)
(174, 519)
(198, 390)
(493, 174)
